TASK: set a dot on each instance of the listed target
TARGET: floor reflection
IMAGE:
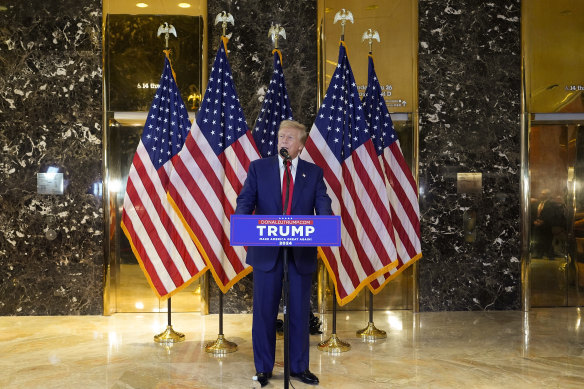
(504, 349)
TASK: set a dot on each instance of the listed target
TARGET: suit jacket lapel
(275, 171)
(299, 182)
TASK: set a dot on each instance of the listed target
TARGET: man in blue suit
(263, 194)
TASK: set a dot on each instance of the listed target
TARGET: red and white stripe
(405, 212)
(204, 188)
(160, 242)
(359, 195)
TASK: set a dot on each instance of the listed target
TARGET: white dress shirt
(283, 169)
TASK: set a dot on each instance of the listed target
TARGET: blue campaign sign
(290, 230)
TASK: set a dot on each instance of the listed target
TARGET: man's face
(289, 138)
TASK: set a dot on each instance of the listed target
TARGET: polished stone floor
(540, 349)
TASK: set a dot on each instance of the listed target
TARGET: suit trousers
(267, 291)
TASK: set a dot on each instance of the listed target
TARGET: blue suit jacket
(262, 193)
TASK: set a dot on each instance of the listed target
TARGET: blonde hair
(297, 125)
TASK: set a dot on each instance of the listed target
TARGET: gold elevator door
(133, 63)
(556, 244)
(552, 153)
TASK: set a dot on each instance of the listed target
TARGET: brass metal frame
(525, 179)
(107, 305)
(525, 212)
(416, 154)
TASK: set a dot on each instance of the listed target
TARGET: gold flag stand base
(371, 333)
(221, 346)
(334, 345)
(169, 336)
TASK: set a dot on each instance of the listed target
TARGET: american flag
(340, 143)
(210, 171)
(401, 186)
(162, 245)
(275, 108)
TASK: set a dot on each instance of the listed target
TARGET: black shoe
(263, 378)
(314, 325)
(307, 377)
(279, 328)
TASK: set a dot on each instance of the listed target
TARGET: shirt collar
(294, 162)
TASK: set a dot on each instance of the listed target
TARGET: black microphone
(284, 154)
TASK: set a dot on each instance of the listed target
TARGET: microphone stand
(285, 254)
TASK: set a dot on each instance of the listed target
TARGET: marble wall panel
(251, 56)
(51, 115)
(469, 105)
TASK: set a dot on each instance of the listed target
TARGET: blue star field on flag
(377, 115)
(275, 108)
(340, 117)
(168, 122)
(220, 117)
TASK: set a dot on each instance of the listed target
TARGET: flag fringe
(175, 291)
(167, 53)
(365, 282)
(394, 275)
(224, 39)
(279, 55)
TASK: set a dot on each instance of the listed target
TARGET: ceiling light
(141, 5)
(184, 5)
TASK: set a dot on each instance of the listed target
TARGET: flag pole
(221, 345)
(371, 333)
(169, 335)
(333, 344)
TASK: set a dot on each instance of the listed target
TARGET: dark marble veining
(50, 116)
(237, 300)
(251, 62)
(250, 51)
(469, 105)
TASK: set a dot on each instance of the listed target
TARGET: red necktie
(285, 181)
